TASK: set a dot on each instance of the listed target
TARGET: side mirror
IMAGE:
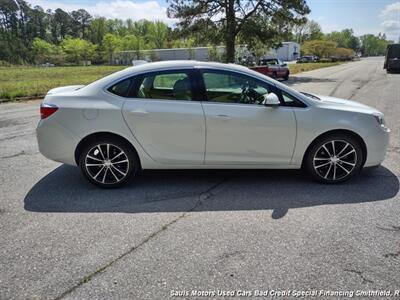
(271, 100)
(284, 65)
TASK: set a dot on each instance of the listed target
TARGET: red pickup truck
(273, 67)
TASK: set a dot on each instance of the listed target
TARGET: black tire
(331, 165)
(286, 77)
(274, 75)
(119, 165)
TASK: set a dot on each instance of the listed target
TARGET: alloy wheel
(107, 163)
(335, 160)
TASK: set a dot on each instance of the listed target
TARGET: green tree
(38, 23)
(111, 42)
(77, 50)
(372, 45)
(60, 25)
(44, 51)
(97, 30)
(234, 16)
(80, 22)
(308, 31)
(344, 39)
(157, 34)
(319, 48)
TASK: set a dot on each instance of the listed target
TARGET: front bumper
(377, 144)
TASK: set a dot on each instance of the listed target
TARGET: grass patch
(18, 82)
(303, 67)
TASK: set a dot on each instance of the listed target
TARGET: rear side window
(121, 88)
(169, 86)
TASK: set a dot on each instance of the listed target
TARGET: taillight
(46, 110)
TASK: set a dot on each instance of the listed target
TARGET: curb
(20, 99)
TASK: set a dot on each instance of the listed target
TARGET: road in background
(61, 237)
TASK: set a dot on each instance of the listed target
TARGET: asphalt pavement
(171, 232)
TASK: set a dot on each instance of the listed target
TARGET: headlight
(380, 119)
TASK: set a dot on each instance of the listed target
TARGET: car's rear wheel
(108, 162)
(334, 159)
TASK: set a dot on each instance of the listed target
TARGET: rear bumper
(393, 64)
(56, 142)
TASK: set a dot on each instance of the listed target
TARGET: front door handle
(139, 112)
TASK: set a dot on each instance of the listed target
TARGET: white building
(287, 52)
(195, 53)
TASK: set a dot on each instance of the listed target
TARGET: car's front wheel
(108, 162)
(334, 159)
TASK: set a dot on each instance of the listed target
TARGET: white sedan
(197, 115)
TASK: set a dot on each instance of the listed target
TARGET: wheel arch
(99, 135)
(339, 131)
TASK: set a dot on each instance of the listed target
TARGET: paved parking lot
(168, 231)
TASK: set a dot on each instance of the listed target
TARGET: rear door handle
(222, 117)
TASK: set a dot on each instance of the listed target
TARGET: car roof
(166, 65)
(176, 64)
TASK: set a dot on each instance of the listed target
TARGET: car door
(240, 129)
(282, 68)
(274, 67)
(165, 118)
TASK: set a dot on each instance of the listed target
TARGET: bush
(343, 54)
(319, 48)
(325, 60)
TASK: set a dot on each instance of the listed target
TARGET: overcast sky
(364, 16)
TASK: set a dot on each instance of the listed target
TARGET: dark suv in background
(392, 58)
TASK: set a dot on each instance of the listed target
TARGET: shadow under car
(65, 190)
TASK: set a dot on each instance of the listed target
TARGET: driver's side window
(228, 87)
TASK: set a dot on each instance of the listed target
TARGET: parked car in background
(272, 67)
(199, 115)
(307, 59)
(392, 58)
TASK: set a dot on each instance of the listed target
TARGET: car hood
(343, 104)
(63, 89)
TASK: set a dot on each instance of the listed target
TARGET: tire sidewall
(132, 157)
(309, 162)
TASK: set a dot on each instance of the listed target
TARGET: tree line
(338, 43)
(31, 35)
